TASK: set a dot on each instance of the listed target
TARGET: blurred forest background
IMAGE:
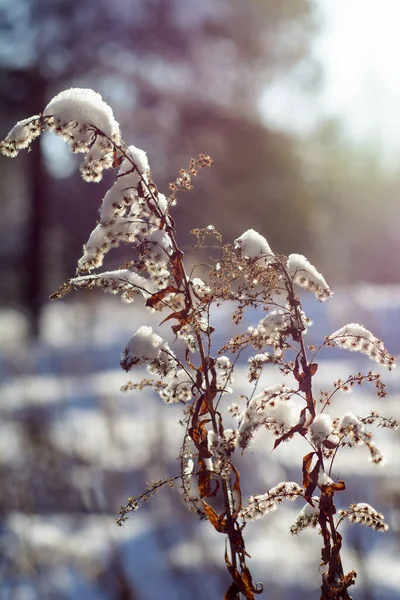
(183, 77)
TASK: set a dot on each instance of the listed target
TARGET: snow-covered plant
(218, 422)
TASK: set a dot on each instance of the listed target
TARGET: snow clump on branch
(356, 338)
(306, 276)
(253, 245)
(124, 191)
(321, 428)
(270, 330)
(307, 517)
(146, 347)
(353, 428)
(179, 389)
(123, 281)
(82, 118)
(21, 136)
(271, 408)
(265, 503)
(366, 515)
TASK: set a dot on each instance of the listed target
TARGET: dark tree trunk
(33, 291)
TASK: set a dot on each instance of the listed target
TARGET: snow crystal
(162, 203)
(366, 515)
(223, 367)
(129, 229)
(188, 469)
(124, 191)
(355, 429)
(160, 246)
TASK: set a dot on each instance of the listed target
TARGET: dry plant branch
(245, 275)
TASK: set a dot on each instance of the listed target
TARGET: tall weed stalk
(196, 372)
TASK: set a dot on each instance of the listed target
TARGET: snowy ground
(73, 449)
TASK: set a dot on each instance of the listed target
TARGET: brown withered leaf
(188, 361)
(296, 429)
(330, 489)
(243, 582)
(180, 315)
(335, 562)
(350, 579)
(158, 296)
(307, 460)
(177, 266)
(325, 555)
(328, 444)
(117, 160)
(313, 368)
(237, 489)
(140, 189)
(218, 522)
(248, 586)
(310, 478)
(204, 483)
(198, 431)
(204, 406)
(232, 592)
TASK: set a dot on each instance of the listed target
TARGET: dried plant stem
(247, 274)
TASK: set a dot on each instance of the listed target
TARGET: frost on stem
(356, 338)
(200, 289)
(306, 276)
(261, 505)
(146, 347)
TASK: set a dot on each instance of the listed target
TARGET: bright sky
(358, 49)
